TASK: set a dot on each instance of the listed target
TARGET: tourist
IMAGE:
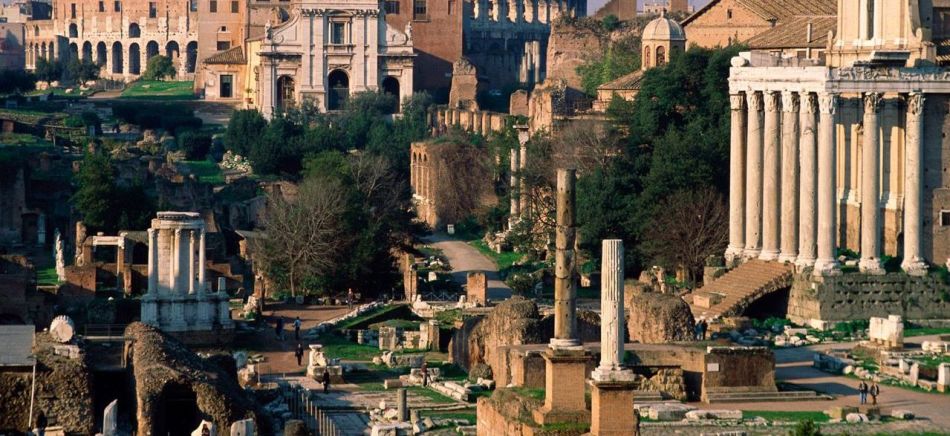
(326, 381)
(297, 328)
(874, 391)
(299, 353)
(863, 392)
(697, 329)
(349, 298)
(425, 373)
(205, 431)
(703, 326)
(279, 328)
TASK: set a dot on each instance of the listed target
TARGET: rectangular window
(224, 45)
(72, 10)
(945, 218)
(117, 6)
(214, 6)
(419, 10)
(337, 33)
(234, 7)
(152, 10)
(102, 6)
(451, 6)
(193, 5)
(227, 85)
(392, 7)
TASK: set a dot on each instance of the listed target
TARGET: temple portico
(813, 146)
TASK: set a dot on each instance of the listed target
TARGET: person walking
(297, 324)
(425, 373)
(875, 391)
(326, 381)
(862, 392)
(299, 353)
(279, 328)
(703, 326)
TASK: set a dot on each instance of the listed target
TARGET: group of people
(863, 390)
(700, 330)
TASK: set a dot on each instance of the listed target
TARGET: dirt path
(464, 258)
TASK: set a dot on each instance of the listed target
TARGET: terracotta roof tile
(779, 10)
(629, 81)
(232, 56)
(793, 33)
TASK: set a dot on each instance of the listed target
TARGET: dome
(663, 29)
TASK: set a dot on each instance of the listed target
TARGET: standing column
(611, 312)
(870, 187)
(771, 178)
(753, 176)
(565, 323)
(176, 261)
(789, 182)
(913, 263)
(826, 264)
(808, 174)
(201, 261)
(515, 198)
(152, 261)
(191, 262)
(736, 179)
(523, 188)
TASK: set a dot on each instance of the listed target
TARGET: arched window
(339, 90)
(391, 87)
(646, 56)
(87, 51)
(135, 59)
(101, 54)
(134, 31)
(73, 30)
(117, 57)
(191, 56)
(285, 92)
(660, 56)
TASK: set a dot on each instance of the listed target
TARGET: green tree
(195, 144)
(12, 81)
(48, 71)
(244, 130)
(82, 70)
(620, 58)
(93, 197)
(159, 67)
(805, 428)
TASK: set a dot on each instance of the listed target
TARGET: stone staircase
(726, 396)
(730, 294)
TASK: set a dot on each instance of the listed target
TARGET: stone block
(476, 287)
(392, 384)
(855, 418)
(612, 410)
(840, 412)
(699, 415)
(902, 414)
(669, 411)
(564, 399)
(706, 299)
(943, 377)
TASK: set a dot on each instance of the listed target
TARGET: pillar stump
(612, 412)
(565, 374)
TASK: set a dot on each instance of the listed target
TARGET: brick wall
(726, 21)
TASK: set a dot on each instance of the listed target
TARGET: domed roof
(664, 29)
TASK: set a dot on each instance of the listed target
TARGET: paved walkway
(794, 365)
(464, 258)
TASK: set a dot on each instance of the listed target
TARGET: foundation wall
(860, 296)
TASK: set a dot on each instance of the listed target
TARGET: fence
(302, 407)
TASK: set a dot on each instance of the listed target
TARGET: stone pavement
(794, 365)
(465, 258)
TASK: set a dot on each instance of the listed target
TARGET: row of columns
(782, 180)
(177, 270)
(421, 175)
(523, 11)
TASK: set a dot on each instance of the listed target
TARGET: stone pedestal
(564, 387)
(612, 412)
(149, 314)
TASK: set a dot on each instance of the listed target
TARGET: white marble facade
(178, 297)
(330, 49)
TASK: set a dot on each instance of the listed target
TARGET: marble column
(611, 315)
(202, 285)
(826, 264)
(736, 179)
(913, 263)
(515, 198)
(870, 262)
(523, 188)
(771, 178)
(790, 177)
(808, 149)
(565, 292)
(175, 261)
(152, 261)
(753, 176)
(190, 270)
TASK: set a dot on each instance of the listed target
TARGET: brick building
(724, 22)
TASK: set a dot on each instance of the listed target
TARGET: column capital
(771, 101)
(808, 104)
(754, 101)
(737, 101)
(789, 101)
(828, 103)
(873, 102)
(915, 103)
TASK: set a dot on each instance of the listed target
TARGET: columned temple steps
(730, 294)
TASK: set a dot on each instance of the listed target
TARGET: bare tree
(464, 179)
(688, 227)
(301, 233)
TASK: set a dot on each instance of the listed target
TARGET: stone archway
(338, 90)
(660, 56)
(178, 411)
(285, 92)
(191, 56)
(73, 30)
(73, 51)
(102, 54)
(87, 51)
(135, 59)
(151, 50)
(117, 57)
(134, 30)
(391, 87)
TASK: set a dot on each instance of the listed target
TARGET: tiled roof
(779, 10)
(16, 341)
(793, 33)
(231, 56)
(943, 51)
(629, 81)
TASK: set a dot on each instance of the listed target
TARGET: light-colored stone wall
(853, 296)
(715, 28)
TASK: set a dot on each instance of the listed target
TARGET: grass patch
(534, 393)
(933, 362)
(159, 90)
(449, 371)
(337, 346)
(430, 394)
(404, 324)
(504, 260)
(72, 92)
(571, 427)
(770, 415)
(926, 331)
(47, 276)
(23, 140)
(206, 171)
(376, 315)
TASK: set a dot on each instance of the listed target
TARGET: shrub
(169, 116)
(16, 80)
(195, 144)
(805, 428)
(159, 68)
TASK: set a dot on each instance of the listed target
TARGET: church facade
(328, 50)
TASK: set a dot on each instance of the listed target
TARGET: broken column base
(564, 387)
(336, 373)
(612, 410)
